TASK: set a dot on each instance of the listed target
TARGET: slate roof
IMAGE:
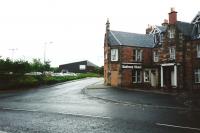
(86, 62)
(162, 28)
(184, 27)
(130, 39)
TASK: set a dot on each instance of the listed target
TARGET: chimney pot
(165, 21)
(172, 9)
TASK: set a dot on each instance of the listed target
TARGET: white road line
(75, 114)
(175, 126)
(2, 132)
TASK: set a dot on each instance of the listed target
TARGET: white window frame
(137, 74)
(171, 33)
(198, 50)
(146, 75)
(172, 53)
(198, 28)
(138, 55)
(197, 75)
(114, 55)
(155, 56)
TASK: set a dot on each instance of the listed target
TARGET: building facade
(78, 67)
(167, 56)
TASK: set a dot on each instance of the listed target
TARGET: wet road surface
(64, 108)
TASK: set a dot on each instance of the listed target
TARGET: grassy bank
(27, 81)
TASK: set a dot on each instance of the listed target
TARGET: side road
(154, 99)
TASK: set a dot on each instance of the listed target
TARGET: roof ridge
(184, 22)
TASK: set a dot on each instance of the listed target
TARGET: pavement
(65, 108)
(151, 98)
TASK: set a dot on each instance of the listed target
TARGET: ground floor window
(137, 76)
(146, 76)
(197, 75)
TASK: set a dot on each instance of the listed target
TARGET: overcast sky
(77, 27)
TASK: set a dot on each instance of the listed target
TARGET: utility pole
(12, 52)
(45, 47)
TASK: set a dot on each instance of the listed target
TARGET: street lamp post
(12, 52)
(45, 47)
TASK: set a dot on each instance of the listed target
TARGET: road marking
(77, 114)
(175, 126)
(2, 132)
(93, 116)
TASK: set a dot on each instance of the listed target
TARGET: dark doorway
(167, 76)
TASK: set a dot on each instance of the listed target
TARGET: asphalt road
(64, 108)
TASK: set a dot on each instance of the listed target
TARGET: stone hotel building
(167, 56)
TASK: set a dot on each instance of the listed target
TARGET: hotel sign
(127, 67)
(131, 67)
(138, 67)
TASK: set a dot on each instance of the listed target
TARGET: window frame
(137, 74)
(155, 56)
(172, 53)
(197, 75)
(145, 79)
(138, 55)
(172, 33)
(116, 54)
(198, 50)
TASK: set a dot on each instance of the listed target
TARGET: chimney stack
(172, 16)
(165, 23)
(107, 25)
(149, 29)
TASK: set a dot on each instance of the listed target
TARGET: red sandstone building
(167, 56)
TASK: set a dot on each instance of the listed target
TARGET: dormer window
(198, 50)
(161, 38)
(196, 30)
(114, 54)
(172, 53)
(158, 38)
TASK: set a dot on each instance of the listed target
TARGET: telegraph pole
(12, 52)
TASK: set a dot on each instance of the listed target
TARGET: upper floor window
(114, 54)
(197, 75)
(158, 38)
(172, 53)
(161, 38)
(171, 33)
(197, 25)
(196, 30)
(155, 56)
(137, 53)
(180, 35)
(198, 50)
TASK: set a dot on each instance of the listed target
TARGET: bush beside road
(15, 81)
